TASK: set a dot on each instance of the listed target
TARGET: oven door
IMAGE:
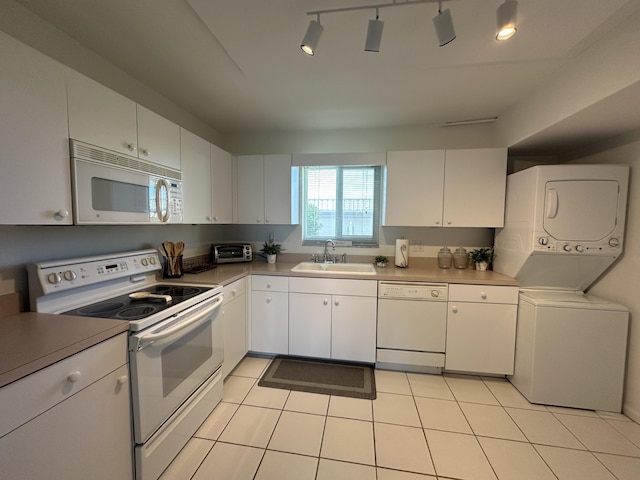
(170, 360)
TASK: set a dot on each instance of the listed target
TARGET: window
(341, 203)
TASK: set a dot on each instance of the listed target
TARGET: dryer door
(581, 210)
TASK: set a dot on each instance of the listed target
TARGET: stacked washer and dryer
(564, 227)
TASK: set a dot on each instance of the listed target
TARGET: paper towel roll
(402, 253)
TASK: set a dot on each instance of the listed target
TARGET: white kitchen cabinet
(414, 188)
(481, 329)
(234, 315)
(70, 418)
(474, 187)
(34, 147)
(333, 318)
(196, 178)
(103, 117)
(266, 190)
(452, 188)
(221, 186)
(158, 139)
(269, 314)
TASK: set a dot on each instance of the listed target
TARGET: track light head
(506, 17)
(444, 27)
(312, 37)
(374, 35)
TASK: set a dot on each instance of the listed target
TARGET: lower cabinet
(269, 314)
(74, 419)
(234, 318)
(339, 322)
(481, 329)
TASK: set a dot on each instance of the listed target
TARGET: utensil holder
(172, 267)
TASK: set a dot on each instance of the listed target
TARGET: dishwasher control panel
(434, 292)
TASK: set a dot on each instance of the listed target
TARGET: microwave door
(109, 195)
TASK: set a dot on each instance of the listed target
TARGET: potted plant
(271, 250)
(482, 257)
(381, 261)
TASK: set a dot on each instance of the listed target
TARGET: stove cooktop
(123, 307)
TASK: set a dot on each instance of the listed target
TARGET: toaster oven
(232, 253)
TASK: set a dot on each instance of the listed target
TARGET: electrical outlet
(416, 246)
(271, 238)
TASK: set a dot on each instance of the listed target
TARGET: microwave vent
(107, 157)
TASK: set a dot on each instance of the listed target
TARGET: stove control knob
(54, 278)
(579, 248)
(70, 275)
(614, 242)
(152, 260)
(543, 240)
(144, 262)
(435, 293)
(567, 247)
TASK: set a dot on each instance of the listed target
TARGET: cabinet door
(234, 325)
(250, 193)
(221, 186)
(414, 188)
(353, 328)
(158, 139)
(270, 322)
(310, 325)
(277, 189)
(100, 116)
(34, 147)
(474, 187)
(481, 337)
(88, 432)
(196, 178)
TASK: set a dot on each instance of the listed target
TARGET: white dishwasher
(412, 326)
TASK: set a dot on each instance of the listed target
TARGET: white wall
(620, 283)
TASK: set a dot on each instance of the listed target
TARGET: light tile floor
(420, 427)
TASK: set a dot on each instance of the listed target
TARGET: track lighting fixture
(444, 26)
(312, 37)
(442, 22)
(374, 35)
(506, 20)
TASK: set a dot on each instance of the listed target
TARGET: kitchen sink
(353, 268)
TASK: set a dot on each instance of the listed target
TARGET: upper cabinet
(196, 178)
(34, 147)
(452, 188)
(102, 117)
(266, 190)
(221, 186)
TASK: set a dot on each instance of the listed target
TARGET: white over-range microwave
(109, 187)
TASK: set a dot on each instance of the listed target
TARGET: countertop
(420, 270)
(31, 341)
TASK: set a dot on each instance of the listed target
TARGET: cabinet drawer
(270, 283)
(334, 286)
(483, 293)
(234, 290)
(30, 396)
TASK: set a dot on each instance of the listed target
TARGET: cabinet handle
(448, 222)
(268, 299)
(454, 309)
(233, 292)
(259, 220)
(123, 379)
(336, 302)
(60, 214)
(131, 147)
(437, 222)
(483, 295)
(146, 152)
(267, 220)
(73, 377)
(215, 219)
(325, 301)
(268, 284)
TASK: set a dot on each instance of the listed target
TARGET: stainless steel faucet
(326, 250)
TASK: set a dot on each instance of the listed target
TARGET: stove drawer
(32, 395)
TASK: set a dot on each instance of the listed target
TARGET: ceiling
(237, 65)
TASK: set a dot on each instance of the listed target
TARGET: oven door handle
(183, 328)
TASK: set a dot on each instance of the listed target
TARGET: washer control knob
(435, 293)
(579, 248)
(70, 275)
(543, 240)
(567, 247)
(614, 242)
(54, 278)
